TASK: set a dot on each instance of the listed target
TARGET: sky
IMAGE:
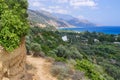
(101, 12)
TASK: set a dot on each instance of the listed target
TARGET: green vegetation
(13, 22)
(61, 70)
(95, 55)
(94, 72)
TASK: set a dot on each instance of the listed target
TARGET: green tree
(13, 23)
(37, 50)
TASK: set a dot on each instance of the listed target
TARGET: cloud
(62, 11)
(55, 9)
(69, 2)
(77, 3)
(35, 4)
(89, 3)
(83, 3)
(62, 1)
(61, 6)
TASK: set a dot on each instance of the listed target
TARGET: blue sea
(103, 29)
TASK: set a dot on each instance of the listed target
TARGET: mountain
(43, 19)
(63, 16)
(80, 23)
(74, 21)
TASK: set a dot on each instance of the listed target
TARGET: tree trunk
(12, 64)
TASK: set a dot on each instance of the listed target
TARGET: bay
(102, 29)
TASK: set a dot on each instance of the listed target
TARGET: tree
(13, 23)
(13, 28)
(37, 50)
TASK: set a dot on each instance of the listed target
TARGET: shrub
(13, 23)
(36, 49)
(78, 76)
(61, 71)
(68, 52)
(89, 69)
(50, 59)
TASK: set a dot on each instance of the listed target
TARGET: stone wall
(12, 65)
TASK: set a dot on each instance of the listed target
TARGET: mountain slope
(45, 18)
(74, 21)
(63, 16)
(80, 23)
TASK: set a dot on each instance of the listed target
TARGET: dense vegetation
(96, 54)
(13, 22)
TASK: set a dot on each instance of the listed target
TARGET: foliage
(61, 71)
(67, 52)
(79, 76)
(36, 47)
(47, 39)
(90, 70)
(37, 50)
(112, 70)
(102, 58)
(13, 23)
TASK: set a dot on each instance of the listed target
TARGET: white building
(96, 40)
(64, 38)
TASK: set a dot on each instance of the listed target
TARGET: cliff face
(12, 65)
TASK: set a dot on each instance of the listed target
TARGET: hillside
(74, 21)
(45, 19)
(91, 55)
(83, 56)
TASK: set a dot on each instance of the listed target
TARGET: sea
(102, 29)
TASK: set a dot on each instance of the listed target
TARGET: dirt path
(42, 68)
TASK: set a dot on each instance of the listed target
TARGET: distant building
(64, 38)
(96, 40)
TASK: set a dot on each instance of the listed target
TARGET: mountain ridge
(74, 21)
(45, 19)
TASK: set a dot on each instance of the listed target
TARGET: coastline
(103, 29)
(69, 27)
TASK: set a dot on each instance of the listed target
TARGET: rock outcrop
(12, 64)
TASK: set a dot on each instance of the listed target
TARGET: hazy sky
(103, 12)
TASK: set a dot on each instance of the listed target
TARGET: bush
(61, 71)
(89, 69)
(67, 52)
(13, 23)
(36, 49)
(38, 54)
(112, 70)
(78, 76)
(50, 59)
